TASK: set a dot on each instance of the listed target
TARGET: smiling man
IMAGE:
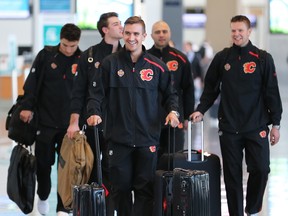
(246, 79)
(179, 66)
(132, 81)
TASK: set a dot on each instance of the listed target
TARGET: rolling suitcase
(89, 199)
(198, 160)
(191, 195)
(163, 186)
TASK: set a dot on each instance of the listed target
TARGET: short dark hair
(241, 18)
(71, 32)
(103, 21)
(136, 20)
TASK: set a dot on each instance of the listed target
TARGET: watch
(276, 127)
(176, 113)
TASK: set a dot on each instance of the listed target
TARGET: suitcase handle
(98, 159)
(169, 147)
(190, 139)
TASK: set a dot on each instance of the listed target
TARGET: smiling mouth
(132, 43)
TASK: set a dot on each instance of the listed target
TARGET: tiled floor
(276, 196)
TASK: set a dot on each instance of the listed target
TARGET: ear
(249, 30)
(105, 30)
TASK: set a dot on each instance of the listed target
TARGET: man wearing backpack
(246, 79)
(53, 69)
(110, 28)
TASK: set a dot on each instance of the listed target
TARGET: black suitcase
(198, 160)
(163, 193)
(163, 186)
(190, 193)
(89, 200)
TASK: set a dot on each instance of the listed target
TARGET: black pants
(48, 142)
(257, 156)
(132, 169)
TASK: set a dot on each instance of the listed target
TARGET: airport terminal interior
(276, 194)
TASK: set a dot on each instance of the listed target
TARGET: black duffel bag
(21, 179)
(19, 131)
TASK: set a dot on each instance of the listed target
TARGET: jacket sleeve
(272, 95)
(170, 97)
(212, 84)
(95, 93)
(79, 92)
(187, 85)
(31, 83)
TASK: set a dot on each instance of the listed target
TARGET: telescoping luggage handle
(171, 152)
(190, 139)
(97, 145)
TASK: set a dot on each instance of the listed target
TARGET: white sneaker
(61, 213)
(256, 214)
(43, 206)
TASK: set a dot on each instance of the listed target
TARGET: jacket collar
(107, 48)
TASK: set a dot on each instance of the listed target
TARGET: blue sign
(51, 34)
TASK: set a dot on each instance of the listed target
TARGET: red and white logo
(152, 148)
(146, 74)
(249, 67)
(74, 68)
(172, 65)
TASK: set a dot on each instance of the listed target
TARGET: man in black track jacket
(55, 67)
(246, 79)
(130, 83)
(180, 69)
(110, 29)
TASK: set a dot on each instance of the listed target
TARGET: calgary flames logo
(249, 67)
(152, 148)
(74, 68)
(146, 74)
(172, 65)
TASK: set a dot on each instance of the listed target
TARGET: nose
(69, 51)
(131, 37)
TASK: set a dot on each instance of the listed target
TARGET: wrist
(176, 113)
(276, 127)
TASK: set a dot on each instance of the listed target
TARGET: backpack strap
(54, 52)
(262, 59)
(90, 55)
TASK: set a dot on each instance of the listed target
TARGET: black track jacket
(84, 85)
(132, 93)
(250, 96)
(179, 66)
(53, 99)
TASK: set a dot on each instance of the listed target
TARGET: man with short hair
(130, 83)
(246, 79)
(110, 29)
(57, 65)
(180, 69)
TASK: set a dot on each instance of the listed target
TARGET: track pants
(257, 156)
(132, 169)
(48, 142)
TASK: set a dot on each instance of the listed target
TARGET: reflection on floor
(276, 195)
